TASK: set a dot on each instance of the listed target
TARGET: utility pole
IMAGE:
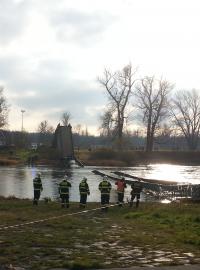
(22, 111)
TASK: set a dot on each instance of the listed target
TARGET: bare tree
(45, 128)
(65, 118)
(45, 131)
(185, 110)
(119, 86)
(77, 129)
(152, 100)
(3, 109)
(107, 123)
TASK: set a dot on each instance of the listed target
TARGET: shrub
(103, 154)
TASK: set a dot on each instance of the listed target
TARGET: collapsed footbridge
(159, 189)
(63, 142)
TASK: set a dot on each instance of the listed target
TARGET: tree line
(153, 103)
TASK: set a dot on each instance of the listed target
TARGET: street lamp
(22, 111)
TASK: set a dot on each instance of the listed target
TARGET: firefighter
(105, 188)
(136, 187)
(63, 189)
(37, 186)
(84, 191)
(121, 185)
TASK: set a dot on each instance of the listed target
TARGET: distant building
(34, 146)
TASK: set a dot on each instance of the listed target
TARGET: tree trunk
(192, 143)
(120, 136)
(149, 143)
(149, 139)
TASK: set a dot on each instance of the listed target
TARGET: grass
(94, 239)
(99, 157)
(110, 157)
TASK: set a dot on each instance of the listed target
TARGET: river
(18, 181)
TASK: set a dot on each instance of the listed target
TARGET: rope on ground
(55, 217)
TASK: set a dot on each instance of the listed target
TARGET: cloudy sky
(51, 52)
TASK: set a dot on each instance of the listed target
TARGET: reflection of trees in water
(22, 182)
(55, 174)
(19, 181)
(69, 173)
(20, 174)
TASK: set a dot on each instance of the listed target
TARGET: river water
(18, 181)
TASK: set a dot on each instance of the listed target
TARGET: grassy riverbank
(154, 234)
(99, 157)
(108, 157)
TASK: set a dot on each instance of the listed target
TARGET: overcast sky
(51, 52)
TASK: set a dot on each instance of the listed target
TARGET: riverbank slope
(100, 157)
(108, 157)
(155, 234)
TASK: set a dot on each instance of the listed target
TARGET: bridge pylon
(63, 142)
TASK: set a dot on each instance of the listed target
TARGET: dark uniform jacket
(84, 188)
(136, 187)
(64, 187)
(105, 187)
(37, 184)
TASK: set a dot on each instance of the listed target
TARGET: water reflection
(178, 173)
(17, 181)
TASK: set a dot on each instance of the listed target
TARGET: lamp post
(22, 111)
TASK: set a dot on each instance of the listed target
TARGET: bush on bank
(132, 157)
(101, 157)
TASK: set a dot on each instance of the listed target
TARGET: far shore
(104, 157)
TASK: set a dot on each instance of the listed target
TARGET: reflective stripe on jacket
(37, 183)
(105, 187)
(64, 187)
(83, 187)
